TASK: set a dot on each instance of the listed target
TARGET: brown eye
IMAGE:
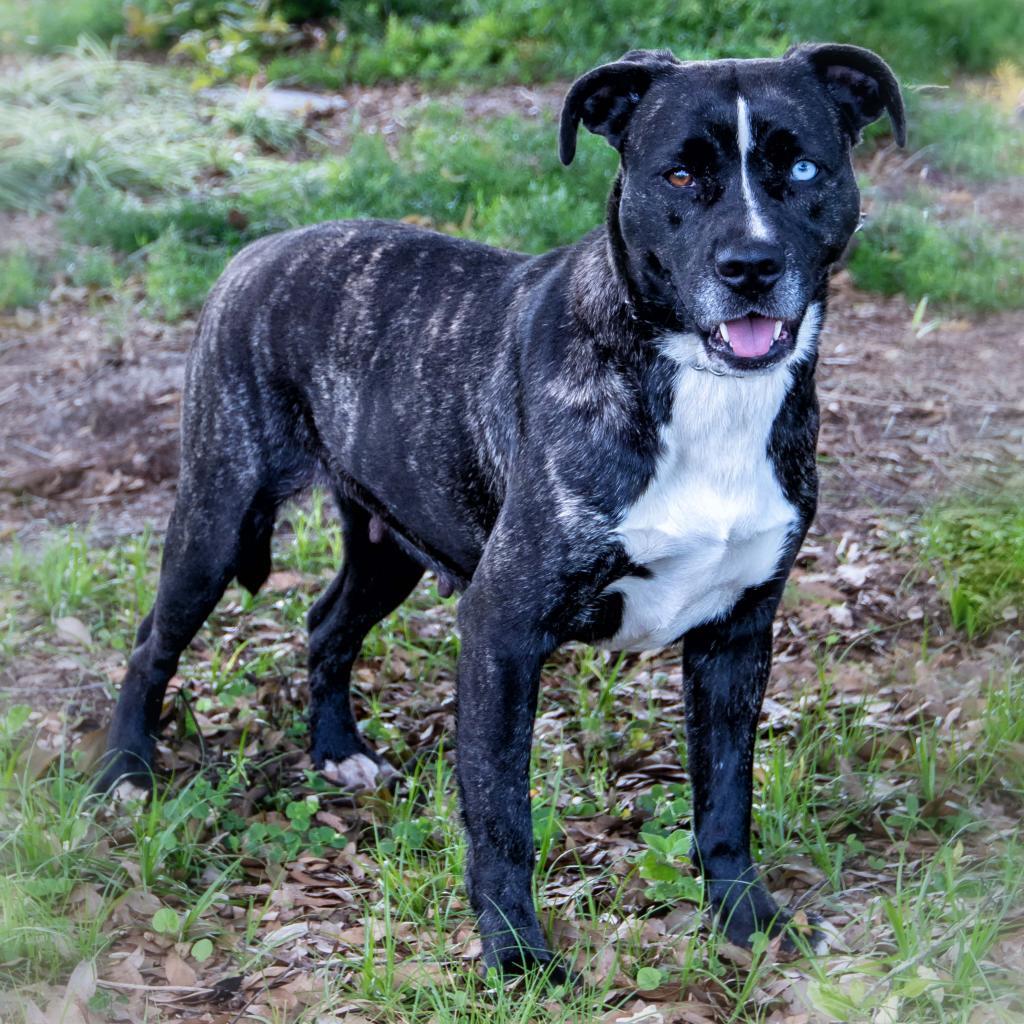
(680, 177)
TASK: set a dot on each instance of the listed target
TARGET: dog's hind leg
(375, 578)
(216, 532)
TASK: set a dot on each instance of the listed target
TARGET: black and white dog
(612, 442)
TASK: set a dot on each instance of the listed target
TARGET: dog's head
(736, 190)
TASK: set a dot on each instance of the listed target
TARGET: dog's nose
(750, 266)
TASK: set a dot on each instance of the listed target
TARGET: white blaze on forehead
(755, 222)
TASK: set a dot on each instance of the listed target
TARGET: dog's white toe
(357, 773)
(126, 792)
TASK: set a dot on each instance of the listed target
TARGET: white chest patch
(713, 520)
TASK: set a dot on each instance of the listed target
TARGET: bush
(537, 40)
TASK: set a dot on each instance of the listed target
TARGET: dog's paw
(793, 934)
(358, 773)
(803, 933)
(122, 769)
(127, 792)
(514, 961)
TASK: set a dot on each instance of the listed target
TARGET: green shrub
(45, 25)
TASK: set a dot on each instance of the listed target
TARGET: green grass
(499, 182)
(895, 817)
(89, 120)
(44, 26)
(977, 543)
(972, 138)
(22, 282)
(967, 265)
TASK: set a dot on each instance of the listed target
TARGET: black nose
(750, 266)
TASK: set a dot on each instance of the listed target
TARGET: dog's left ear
(604, 99)
(860, 83)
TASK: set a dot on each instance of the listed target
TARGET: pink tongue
(751, 336)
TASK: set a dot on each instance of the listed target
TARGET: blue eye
(803, 170)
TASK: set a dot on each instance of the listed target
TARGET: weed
(21, 279)
(978, 544)
(178, 275)
(273, 132)
(93, 268)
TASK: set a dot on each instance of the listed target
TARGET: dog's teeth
(778, 330)
(723, 331)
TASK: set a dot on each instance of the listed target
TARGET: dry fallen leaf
(72, 1006)
(177, 971)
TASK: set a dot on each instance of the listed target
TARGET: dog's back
(362, 350)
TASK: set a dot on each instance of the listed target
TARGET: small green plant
(978, 544)
(93, 268)
(280, 838)
(273, 132)
(179, 276)
(21, 279)
(665, 864)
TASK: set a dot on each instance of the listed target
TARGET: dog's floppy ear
(604, 99)
(860, 83)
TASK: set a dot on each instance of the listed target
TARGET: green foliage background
(515, 40)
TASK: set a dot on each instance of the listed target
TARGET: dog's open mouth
(752, 341)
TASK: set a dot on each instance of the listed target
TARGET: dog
(613, 442)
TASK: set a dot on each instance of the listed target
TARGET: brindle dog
(613, 442)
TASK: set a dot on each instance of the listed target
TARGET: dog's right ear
(604, 99)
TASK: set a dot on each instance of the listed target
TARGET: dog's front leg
(503, 649)
(725, 670)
